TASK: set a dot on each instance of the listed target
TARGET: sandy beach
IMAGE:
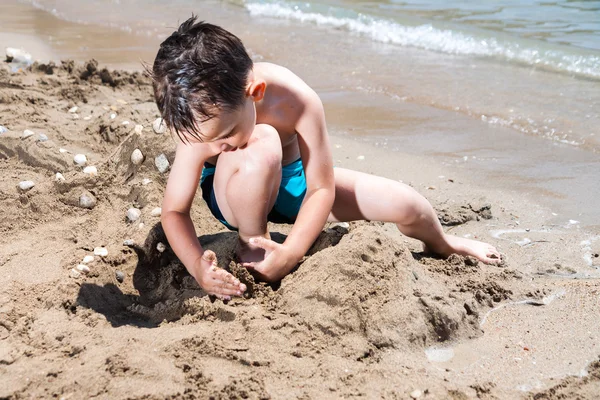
(94, 305)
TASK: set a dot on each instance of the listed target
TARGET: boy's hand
(216, 281)
(277, 263)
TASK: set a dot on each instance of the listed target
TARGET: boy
(255, 136)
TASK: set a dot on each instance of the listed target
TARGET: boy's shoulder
(275, 73)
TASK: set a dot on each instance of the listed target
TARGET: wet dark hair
(199, 71)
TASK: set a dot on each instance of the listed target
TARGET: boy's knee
(412, 206)
(266, 148)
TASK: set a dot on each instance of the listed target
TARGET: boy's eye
(230, 134)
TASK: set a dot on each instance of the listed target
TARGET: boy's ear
(256, 89)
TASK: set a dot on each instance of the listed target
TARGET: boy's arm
(178, 226)
(318, 166)
(317, 160)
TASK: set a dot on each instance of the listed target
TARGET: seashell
(91, 170)
(18, 56)
(156, 212)
(87, 117)
(125, 123)
(360, 158)
(161, 247)
(73, 110)
(113, 116)
(59, 177)
(74, 273)
(137, 157)
(27, 133)
(146, 181)
(101, 251)
(80, 159)
(159, 126)
(162, 163)
(42, 138)
(87, 200)
(83, 268)
(61, 150)
(3, 129)
(138, 129)
(128, 242)
(87, 259)
(120, 276)
(133, 214)
(26, 185)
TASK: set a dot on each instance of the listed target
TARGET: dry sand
(366, 314)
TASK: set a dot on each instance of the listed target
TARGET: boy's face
(230, 130)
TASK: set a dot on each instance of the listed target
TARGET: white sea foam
(430, 38)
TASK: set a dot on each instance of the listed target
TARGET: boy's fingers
(249, 265)
(263, 243)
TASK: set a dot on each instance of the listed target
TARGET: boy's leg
(363, 196)
(246, 185)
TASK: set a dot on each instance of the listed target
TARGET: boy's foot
(484, 252)
(249, 253)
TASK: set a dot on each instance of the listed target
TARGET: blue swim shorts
(289, 199)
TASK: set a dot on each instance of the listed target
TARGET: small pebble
(87, 259)
(162, 163)
(121, 101)
(91, 170)
(75, 116)
(415, 394)
(156, 212)
(59, 177)
(87, 200)
(138, 129)
(83, 268)
(141, 225)
(137, 157)
(73, 110)
(74, 273)
(125, 123)
(360, 158)
(159, 126)
(113, 116)
(120, 276)
(101, 251)
(26, 185)
(43, 138)
(27, 133)
(61, 150)
(80, 159)
(87, 117)
(3, 129)
(161, 247)
(128, 242)
(133, 214)
(146, 181)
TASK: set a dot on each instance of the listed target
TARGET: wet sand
(365, 314)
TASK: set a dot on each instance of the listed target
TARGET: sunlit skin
(282, 119)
